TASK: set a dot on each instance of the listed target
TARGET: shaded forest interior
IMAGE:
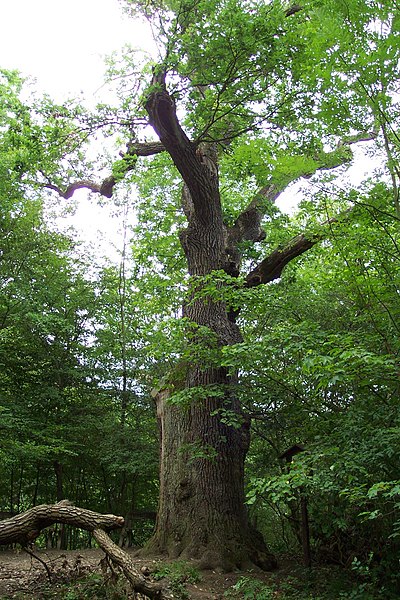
(229, 385)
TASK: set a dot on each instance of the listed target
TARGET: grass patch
(178, 574)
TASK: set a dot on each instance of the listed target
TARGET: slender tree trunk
(11, 500)
(35, 492)
(62, 534)
(122, 323)
(107, 494)
(19, 498)
(58, 470)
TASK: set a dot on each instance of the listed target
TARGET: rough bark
(271, 267)
(201, 513)
(120, 558)
(25, 527)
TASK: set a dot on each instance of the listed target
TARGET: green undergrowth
(95, 587)
(178, 574)
(322, 583)
(91, 587)
(289, 583)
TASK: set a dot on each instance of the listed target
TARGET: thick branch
(25, 527)
(201, 181)
(78, 185)
(248, 224)
(122, 559)
(106, 187)
(143, 149)
(272, 266)
(295, 8)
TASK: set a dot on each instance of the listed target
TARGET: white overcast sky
(62, 44)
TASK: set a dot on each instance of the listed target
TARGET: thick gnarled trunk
(202, 513)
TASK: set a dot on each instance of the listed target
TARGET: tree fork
(202, 513)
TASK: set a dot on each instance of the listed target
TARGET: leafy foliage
(178, 574)
(282, 95)
(323, 373)
(59, 416)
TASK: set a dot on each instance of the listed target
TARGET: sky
(62, 45)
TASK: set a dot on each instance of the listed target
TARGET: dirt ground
(23, 576)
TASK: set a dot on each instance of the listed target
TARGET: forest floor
(22, 576)
(77, 575)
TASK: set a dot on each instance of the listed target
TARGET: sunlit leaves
(237, 65)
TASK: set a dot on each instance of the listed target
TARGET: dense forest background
(84, 341)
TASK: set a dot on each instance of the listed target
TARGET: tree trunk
(12, 490)
(201, 508)
(62, 534)
(201, 512)
(35, 492)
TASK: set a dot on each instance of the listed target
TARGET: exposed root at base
(224, 560)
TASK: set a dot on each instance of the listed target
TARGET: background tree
(60, 425)
(324, 356)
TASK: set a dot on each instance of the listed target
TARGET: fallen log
(139, 583)
(26, 527)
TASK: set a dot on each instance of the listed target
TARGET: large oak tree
(245, 98)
